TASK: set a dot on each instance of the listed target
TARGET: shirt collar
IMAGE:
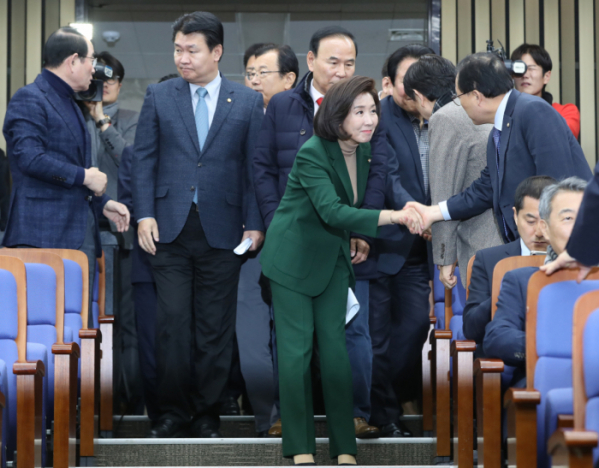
(525, 250)
(213, 87)
(59, 85)
(501, 111)
(314, 92)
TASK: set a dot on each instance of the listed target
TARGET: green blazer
(315, 217)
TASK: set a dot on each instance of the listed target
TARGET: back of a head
(62, 44)
(531, 187)
(538, 54)
(432, 76)
(286, 57)
(203, 23)
(330, 31)
(117, 67)
(486, 73)
(571, 184)
(414, 51)
(251, 51)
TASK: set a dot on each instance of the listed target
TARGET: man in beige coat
(458, 154)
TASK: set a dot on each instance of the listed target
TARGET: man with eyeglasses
(529, 138)
(56, 193)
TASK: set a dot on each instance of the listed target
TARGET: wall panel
(464, 28)
(498, 23)
(33, 57)
(67, 12)
(3, 66)
(552, 45)
(516, 24)
(449, 30)
(482, 24)
(532, 23)
(568, 51)
(587, 79)
(17, 46)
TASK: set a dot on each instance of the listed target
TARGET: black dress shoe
(263, 434)
(230, 407)
(395, 430)
(167, 429)
(206, 430)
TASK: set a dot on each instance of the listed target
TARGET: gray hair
(571, 184)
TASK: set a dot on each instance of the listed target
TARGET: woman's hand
(410, 218)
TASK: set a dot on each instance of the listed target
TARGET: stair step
(136, 427)
(417, 451)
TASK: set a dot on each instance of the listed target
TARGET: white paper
(353, 306)
(243, 247)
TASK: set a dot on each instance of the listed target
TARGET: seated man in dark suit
(477, 312)
(529, 138)
(505, 335)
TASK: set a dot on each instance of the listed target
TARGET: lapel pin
(508, 125)
(229, 100)
(302, 132)
(369, 159)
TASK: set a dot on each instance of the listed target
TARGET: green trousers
(296, 318)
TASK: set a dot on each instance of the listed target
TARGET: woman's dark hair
(204, 23)
(336, 106)
(531, 187)
(432, 76)
(117, 67)
(62, 44)
(414, 51)
(286, 58)
(538, 54)
(486, 73)
(329, 31)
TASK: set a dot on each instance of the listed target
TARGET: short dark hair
(251, 50)
(286, 58)
(204, 23)
(531, 187)
(168, 77)
(329, 31)
(385, 71)
(336, 105)
(486, 73)
(414, 51)
(432, 76)
(62, 44)
(538, 54)
(117, 67)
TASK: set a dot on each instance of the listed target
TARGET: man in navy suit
(529, 138)
(477, 311)
(505, 335)
(399, 296)
(56, 196)
(194, 200)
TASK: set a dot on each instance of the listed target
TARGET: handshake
(418, 218)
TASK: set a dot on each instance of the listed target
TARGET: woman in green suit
(306, 256)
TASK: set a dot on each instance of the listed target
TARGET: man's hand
(565, 261)
(359, 250)
(147, 234)
(257, 239)
(96, 181)
(430, 214)
(96, 110)
(408, 217)
(427, 235)
(118, 214)
(447, 276)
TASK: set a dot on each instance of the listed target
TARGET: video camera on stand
(516, 67)
(96, 88)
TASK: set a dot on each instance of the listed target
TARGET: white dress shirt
(525, 250)
(498, 124)
(315, 95)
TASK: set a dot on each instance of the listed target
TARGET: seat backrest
(469, 275)
(455, 300)
(16, 268)
(508, 264)
(564, 305)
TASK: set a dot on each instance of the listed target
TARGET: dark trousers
(399, 308)
(197, 295)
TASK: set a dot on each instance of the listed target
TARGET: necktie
(496, 138)
(319, 101)
(202, 124)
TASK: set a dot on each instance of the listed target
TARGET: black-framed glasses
(261, 74)
(455, 97)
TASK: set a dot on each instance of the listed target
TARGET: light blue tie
(202, 124)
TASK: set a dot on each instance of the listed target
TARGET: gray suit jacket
(458, 154)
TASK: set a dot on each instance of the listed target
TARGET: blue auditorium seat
(4, 422)
(73, 299)
(439, 300)
(590, 350)
(458, 302)
(96, 298)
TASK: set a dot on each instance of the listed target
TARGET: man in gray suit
(192, 180)
(458, 153)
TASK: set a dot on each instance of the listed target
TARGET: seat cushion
(73, 287)
(455, 325)
(4, 422)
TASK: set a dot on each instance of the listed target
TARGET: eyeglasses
(455, 98)
(113, 81)
(262, 74)
(93, 59)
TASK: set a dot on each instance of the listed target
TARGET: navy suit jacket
(47, 208)
(405, 182)
(168, 165)
(477, 312)
(583, 244)
(505, 335)
(535, 140)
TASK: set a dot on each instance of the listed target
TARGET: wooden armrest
(29, 368)
(2, 404)
(488, 366)
(463, 346)
(565, 421)
(521, 405)
(106, 374)
(488, 411)
(521, 396)
(462, 353)
(90, 390)
(572, 448)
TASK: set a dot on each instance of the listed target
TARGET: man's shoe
(230, 407)
(404, 429)
(167, 429)
(206, 430)
(262, 434)
(365, 430)
(395, 430)
(276, 430)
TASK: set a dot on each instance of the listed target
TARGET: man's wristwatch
(105, 120)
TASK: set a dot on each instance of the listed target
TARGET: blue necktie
(496, 138)
(202, 124)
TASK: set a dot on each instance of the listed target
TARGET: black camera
(516, 67)
(96, 88)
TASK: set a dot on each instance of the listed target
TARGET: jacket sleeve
(477, 311)
(396, 196)
(116, 139)
(505, 335)
(26, 125)
(144, 163)
(374, 198)
(266, 167)
(473, 201)
(253, 219)
(124, 181)
(314, 178)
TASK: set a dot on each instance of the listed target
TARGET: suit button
(199, 164)
(192, 188)
(302, 132)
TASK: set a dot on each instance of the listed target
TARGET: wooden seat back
(508, 264)
(536, 283)
(469, 275)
